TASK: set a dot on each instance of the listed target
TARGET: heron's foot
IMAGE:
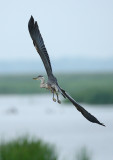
(54, 99)
(59, 101)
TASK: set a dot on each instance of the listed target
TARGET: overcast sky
(70, 28)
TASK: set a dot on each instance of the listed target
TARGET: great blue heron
(52, 83)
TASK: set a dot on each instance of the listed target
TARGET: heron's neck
(43, 84)
(42, 80)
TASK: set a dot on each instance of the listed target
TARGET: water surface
(59, 124)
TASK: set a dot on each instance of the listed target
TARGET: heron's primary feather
(85, 113)
(39, 45)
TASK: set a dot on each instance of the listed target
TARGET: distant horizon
(58, 65)
(54, 59)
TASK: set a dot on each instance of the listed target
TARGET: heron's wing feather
(39, 44)
(85, 113)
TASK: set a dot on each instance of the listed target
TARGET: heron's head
(39, 78)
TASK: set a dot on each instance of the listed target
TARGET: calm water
(61, 125)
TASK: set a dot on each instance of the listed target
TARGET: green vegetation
(83, 154)
(19, 84)
(25, 149)
(88, 88)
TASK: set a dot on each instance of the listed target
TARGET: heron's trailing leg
(58, 98)
(53, 97)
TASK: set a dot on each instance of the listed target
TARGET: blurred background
(79, 39)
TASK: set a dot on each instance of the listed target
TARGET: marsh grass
(94, 88)
(27, 149)
(83, 154)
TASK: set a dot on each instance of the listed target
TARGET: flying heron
(52, 83)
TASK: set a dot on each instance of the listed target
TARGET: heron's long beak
(35, 78)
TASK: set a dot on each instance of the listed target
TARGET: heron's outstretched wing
(39, 44)
(85, 113)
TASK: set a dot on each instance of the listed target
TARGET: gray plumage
(52, 83)
(39, 45)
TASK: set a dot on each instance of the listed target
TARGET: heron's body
(52, 83)
(47, 85)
